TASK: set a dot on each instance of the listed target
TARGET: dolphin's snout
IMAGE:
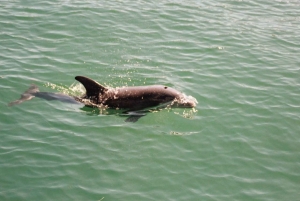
(185, 101)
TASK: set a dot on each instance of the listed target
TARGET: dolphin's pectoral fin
(27, 95)
(134, 116)
(92, 87)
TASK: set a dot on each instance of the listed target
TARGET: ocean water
(239, 59)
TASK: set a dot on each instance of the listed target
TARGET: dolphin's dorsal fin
(92, 87)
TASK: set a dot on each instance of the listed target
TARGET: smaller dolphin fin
(134, 116)
(133, 119)
(92, 87)
(27, 95)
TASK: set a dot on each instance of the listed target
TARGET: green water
(239, 59)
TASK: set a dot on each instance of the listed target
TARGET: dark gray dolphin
(133, 99)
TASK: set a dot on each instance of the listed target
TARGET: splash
(184, 101)
(183, 133)
(187, 113)
(76, 89)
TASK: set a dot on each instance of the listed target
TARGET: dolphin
(133, 99)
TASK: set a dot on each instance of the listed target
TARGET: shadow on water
(134, 116)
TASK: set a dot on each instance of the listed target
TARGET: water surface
(239, 59)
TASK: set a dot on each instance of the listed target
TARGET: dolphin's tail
(27, 95)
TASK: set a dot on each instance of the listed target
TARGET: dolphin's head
(177, 98)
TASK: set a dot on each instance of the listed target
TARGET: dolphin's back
(139, 97)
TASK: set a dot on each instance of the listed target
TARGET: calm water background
(239, 59)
